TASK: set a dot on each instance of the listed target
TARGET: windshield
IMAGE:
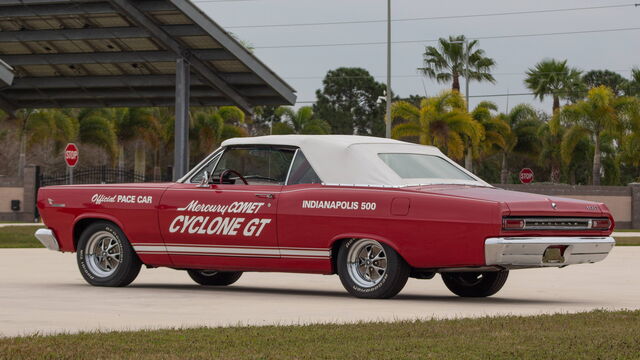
(421, 166)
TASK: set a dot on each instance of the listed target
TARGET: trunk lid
(521, 203)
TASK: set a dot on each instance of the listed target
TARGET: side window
(263, 165)
(197, 178)
(302, 172)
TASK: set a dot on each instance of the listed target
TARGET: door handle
(266, 196)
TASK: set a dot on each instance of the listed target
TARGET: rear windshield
(420, 166)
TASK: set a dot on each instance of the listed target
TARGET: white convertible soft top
(354, 160)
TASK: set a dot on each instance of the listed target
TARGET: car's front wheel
(105, 257)
(370, 269)
(475, 284)
(214, 278)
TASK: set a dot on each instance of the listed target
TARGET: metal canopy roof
(112, 53)
(6, 74)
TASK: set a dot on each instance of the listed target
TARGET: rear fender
(380, 239)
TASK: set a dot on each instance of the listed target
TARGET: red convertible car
(375, 211)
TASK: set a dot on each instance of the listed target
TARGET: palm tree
(450, 60)
(554, 78)
(601, 113)
(211, 126)
(523, 123)
(630, 146)
(20, 119)
(634, 83)
(302, 121)
(134, 126)
(97, 128)
(160, 138)
(496, 130)
(441, 121)
(551, 134)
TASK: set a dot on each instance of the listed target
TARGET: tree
(211, 126)
(441, 121)
(263, 120)
(633, 87)
(348, 101)
(523, 123)
(160, 138)
(600, 114)
(554, 78)
(496, 130)
(302, 121)
(630, 147)
(448, 62)
(551, 134)
(610, 79)
(97, 128)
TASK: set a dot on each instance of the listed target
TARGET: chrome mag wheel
(103, 254)
(366, 263)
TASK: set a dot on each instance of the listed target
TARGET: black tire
(475, 284)
(379, 284)
(214, 278)
(118, 266)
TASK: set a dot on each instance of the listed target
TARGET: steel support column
(181, 142)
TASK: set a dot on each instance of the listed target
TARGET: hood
(521, 203)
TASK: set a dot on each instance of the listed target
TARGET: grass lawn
(19, 237)
(592, 335)
(628, 241)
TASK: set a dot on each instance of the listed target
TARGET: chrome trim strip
(293, 160)
(584, 223)
(226, 250)
(191, 174)
(48, 239)
(515, 252)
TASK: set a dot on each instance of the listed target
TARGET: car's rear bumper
(543, 251)
(48, 239)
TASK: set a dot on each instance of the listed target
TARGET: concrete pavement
(42, 291)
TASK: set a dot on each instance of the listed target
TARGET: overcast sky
(304, 68)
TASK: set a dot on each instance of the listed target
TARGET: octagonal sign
(71, 155)
(526, 176)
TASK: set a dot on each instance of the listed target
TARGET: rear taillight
(555, 223)
(513, 224)
(600, 224)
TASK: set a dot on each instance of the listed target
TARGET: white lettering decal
(122, 199)
(173, 227)
(341, 205)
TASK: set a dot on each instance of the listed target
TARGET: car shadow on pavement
(238, 289)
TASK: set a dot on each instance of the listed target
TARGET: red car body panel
(294, 228)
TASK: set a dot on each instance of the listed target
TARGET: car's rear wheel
(105, 257)
(214, 278)
(475, 284)
(370, 269)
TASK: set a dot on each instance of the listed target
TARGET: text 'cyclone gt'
(374, 211)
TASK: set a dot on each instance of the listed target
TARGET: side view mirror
(205, 180)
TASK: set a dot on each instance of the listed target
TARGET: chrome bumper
(524, 252)
(47, 239)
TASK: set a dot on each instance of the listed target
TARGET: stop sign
(526, 176)
(71, 155)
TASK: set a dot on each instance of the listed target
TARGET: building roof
(111, 53)
(6, 74)
(354, 160)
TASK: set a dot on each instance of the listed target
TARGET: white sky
(617, 51)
